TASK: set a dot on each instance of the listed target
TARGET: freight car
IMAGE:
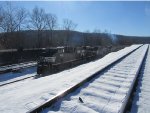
(56, 59)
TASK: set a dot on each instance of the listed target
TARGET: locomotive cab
(45, 60)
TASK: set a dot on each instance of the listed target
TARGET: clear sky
(127, 18)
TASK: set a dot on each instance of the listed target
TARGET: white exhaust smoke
(113, 37)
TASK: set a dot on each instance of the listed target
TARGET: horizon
(90, 33)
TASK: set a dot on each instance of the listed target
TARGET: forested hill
(47, 38)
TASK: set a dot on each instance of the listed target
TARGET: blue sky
(127, 18)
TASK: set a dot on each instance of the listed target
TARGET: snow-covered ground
(141, 101)
(21, 97)
(105, 94)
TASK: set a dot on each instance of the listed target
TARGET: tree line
(15, 20)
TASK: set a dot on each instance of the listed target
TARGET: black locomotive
(59, 58)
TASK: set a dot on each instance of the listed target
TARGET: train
(56, 59)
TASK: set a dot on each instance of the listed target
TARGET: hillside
(35, 39)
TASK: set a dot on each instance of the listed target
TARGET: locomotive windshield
(49, 52)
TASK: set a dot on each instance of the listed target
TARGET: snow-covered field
(105, 94)
(21, 97)
(141, 102)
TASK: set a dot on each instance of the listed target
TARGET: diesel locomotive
(59, 58)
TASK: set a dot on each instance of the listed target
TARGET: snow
(141, 101)
(23, 96)
(107, 93)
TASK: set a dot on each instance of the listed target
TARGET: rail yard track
(17, 80)
(15, 67)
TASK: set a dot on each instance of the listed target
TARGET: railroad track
(15, 67)
(118, 78)
(139, 100)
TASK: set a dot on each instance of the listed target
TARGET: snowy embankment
(108, 93)
(141, 100)
(23, 96)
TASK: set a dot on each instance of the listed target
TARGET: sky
(126, 18)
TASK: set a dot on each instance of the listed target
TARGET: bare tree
(21, 19)
(97, 39)
(1, 17)
(8, 23)
(51, 21)
(11, 18)
(68, 26)
(97, 31)
(38, 22)
(86, 37)
(21, 16)
(38, 19)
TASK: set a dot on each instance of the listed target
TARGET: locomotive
(59, 58)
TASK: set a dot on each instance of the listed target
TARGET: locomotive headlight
(61, 55)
